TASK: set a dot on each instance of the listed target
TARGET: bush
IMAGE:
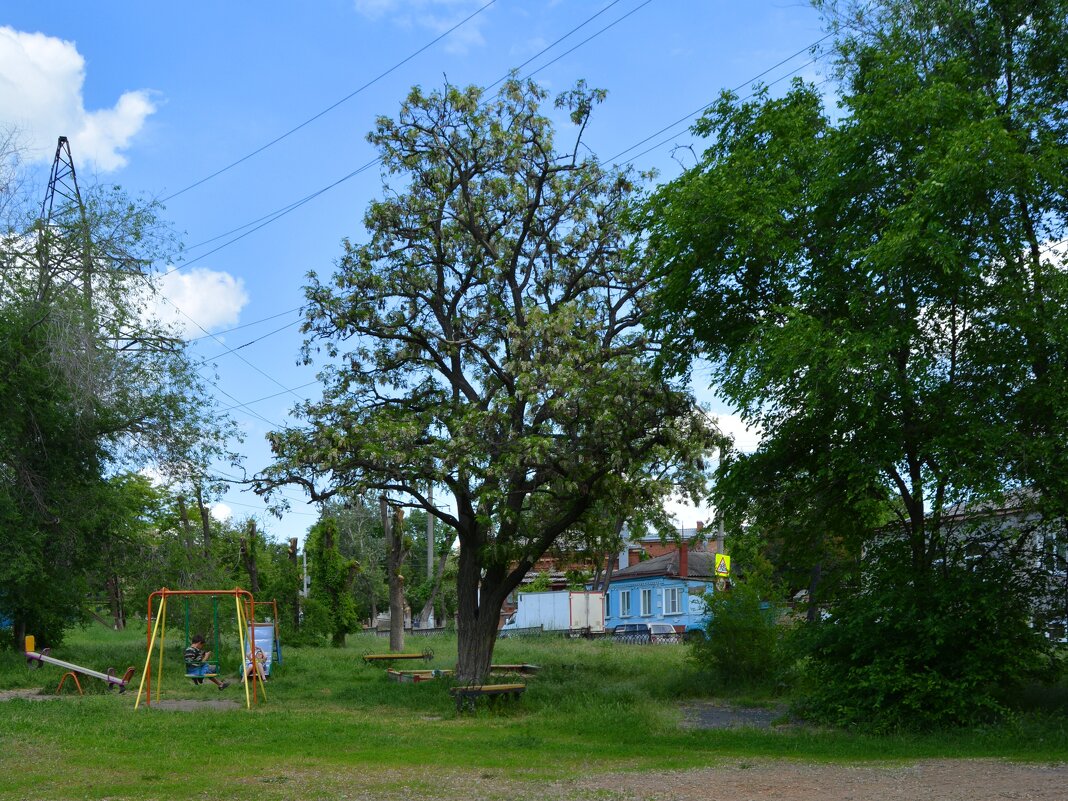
(908, 652)
(745, 645)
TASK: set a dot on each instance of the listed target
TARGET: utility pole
(429, 546)
(430, 536)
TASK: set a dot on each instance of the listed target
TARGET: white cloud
(41, 80)
(436, 16)
(154, 475)
(211, 298)
(746, 439)
(221, 512)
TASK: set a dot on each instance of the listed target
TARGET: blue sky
(157, 96)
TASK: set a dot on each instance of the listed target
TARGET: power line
(240, 405)
(244, 345)
(273, 216)
(264, 373)
(270, 397)
(737, 88)
(277, 214)
(549, 47)
(674, 137)
(580, 44)
(333, 106)
(246, 325)
(263, 509)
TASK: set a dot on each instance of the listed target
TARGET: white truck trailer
(557, 611)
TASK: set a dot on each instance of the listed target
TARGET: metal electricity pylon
(64, 245)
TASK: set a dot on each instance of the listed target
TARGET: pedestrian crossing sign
(723, 564)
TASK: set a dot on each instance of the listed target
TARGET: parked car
(645, 633)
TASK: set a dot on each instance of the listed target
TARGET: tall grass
(595, 706)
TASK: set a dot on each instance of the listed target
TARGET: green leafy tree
(331, 609)
(879, 293)
(89, 387)
(488, 341)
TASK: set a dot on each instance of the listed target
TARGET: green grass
(332, 724)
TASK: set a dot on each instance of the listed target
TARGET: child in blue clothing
(197, 665)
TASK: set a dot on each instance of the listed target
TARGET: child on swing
(197, 665)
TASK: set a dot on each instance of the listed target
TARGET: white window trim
(624, 606)
(645, 611)
(677, 593)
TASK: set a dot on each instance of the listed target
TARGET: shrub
(924, 652)
(745, 644)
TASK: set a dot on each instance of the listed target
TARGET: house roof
(701, 566)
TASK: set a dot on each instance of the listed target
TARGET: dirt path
(764, 780)
(936, 780)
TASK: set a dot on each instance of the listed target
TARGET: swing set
(244, 605)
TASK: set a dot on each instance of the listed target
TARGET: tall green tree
(881, 293)
(331, 608)
(487, 340)
(89, 386)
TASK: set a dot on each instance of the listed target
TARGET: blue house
(665, 589)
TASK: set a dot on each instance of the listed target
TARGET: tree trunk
(187, 529)
(475, 642)
(397, 553)
(477, 621)
(205, 522)
(248, 558)
(612, 559)
(115, 603)
(813, 585)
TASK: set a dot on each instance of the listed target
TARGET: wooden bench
(467, 697)
(387, 659)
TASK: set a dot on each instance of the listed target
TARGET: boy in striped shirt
(196, 665)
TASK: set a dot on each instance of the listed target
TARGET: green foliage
(577, 579)
(909, 651)
(331, 609)
(89, 387)
(878, 292)
(745, 643)
(541, 583)
(488, 340)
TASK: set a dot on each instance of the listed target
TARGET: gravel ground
(714, 715)
(935, 780)
(763, 780)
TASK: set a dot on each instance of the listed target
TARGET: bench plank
(468, 696)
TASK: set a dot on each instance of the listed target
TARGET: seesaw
(35, 659)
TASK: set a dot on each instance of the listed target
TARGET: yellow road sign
(723, 564)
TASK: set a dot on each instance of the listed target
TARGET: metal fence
(644, 638)
(416, 632)
(524, 632)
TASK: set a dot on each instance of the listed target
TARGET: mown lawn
(332, 725)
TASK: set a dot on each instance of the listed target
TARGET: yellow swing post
(148, 661)
(241, 641)
(247, 623)
(259, 680)
(162, 636)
